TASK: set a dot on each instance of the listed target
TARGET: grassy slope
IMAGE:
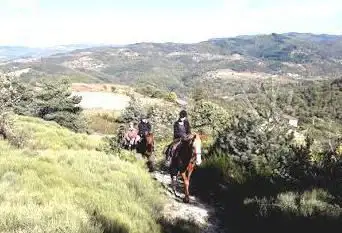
(59, 180)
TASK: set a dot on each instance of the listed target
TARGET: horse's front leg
(174, 184)
(186, 187)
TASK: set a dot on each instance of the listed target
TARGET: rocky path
(196, 212)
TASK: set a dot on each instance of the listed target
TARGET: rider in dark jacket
(144, 127)
(181, 129)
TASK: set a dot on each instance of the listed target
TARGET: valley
(219, 64)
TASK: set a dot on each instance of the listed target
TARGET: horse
(146, 148)
(187, 157)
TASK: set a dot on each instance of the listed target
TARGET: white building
(291, 120)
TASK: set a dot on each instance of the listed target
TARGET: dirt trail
(195, 212)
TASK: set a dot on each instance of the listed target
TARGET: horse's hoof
(186, 199)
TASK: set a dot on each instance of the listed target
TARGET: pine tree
(53, 101)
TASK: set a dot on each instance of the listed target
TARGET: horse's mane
(189, 141)
(193, 137)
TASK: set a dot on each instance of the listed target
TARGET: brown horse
(148, 144)
(186, 158)
(146, 148)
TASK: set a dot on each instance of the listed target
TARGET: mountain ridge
(221, 63)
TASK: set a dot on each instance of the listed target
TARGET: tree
(205, 114)
(133, 111)
(26, 104)
(53, 101)
(9, 97)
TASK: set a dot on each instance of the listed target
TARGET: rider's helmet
(143, 117)
(183, 114)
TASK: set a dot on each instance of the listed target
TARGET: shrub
(133, 111)
(255, 143)
(208, 115)
(152, 92)
(162, 118)
(172, 97)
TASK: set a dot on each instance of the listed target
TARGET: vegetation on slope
(261, 175)
(175, 67)
(59, 182)
(53, 101)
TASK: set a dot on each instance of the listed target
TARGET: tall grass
(103, 122)
(49, 135)
(59, 183)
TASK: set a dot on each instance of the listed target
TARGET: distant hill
(222, 64)
(16, 52)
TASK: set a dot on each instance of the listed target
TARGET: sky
(43, 23)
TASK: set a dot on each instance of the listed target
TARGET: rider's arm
(175, 130)
(188, 127)
(135, 133)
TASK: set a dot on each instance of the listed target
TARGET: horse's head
(149, 138)
(196, 144)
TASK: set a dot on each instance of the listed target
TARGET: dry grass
(103, 122)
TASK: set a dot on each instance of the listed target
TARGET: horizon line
(165, 42)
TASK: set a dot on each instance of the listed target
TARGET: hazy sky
(53, 22)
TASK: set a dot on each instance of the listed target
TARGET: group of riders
(181, 128)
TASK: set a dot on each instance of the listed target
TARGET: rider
(131, 136)
(144, 126)
(181, 129)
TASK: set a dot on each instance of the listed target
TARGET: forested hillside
(224, 64)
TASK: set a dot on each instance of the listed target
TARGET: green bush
(162, 119)
(52, 101)
(172, 97)
(256, 143)
(152, 92)
(209, 116)
(133, 111)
